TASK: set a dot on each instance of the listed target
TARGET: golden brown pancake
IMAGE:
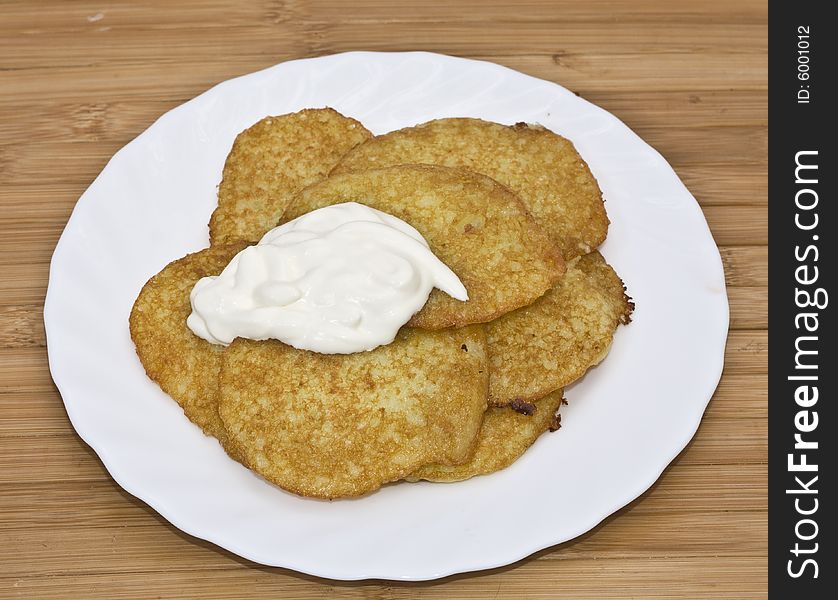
(185, 366)
(543, 168)
(270, 162)
(472, 223)
(505, 435)
(332, 426)
(552, 342)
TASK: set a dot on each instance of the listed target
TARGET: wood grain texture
(80, 79)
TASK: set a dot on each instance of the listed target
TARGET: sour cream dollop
(337, 280)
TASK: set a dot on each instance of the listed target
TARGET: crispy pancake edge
(272, 160)
(571, 328)
(504, 437)
(185, 366)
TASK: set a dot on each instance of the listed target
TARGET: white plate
(626, 420)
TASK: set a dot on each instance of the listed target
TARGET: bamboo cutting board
(78, 80)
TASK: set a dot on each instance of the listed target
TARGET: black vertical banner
(802, 370)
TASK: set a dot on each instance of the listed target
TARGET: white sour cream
(337, 280)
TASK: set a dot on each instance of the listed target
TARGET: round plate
(626, 421)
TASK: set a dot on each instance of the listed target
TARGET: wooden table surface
(78, 80)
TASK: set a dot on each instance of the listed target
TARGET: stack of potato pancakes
(466, 387)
